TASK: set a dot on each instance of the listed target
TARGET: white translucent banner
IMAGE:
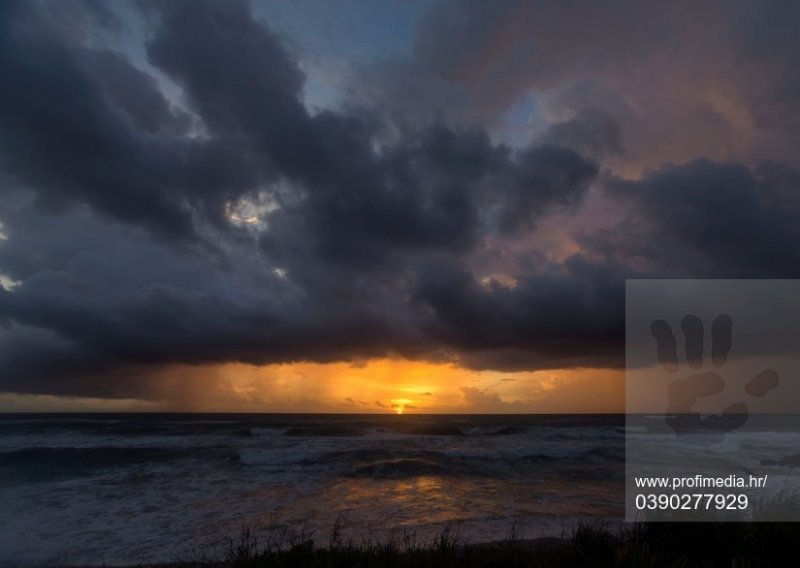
(713, 400)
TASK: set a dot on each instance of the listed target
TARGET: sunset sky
(392, 207)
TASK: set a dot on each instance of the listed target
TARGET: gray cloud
(676, 86)
(707, 219)
(372, 233)
(336, 270)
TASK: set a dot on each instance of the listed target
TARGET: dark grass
(738, 545)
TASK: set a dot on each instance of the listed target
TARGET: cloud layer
(171, 200)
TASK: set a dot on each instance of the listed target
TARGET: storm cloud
(170, 199)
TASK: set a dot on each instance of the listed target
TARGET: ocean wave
(278, 456)
(41, 463)
(432, 430)
(324, 432)
(402, 467)
(425, 464)
(350, 431)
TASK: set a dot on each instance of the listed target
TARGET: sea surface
(111, 489)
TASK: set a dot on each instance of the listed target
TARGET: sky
(357, 206)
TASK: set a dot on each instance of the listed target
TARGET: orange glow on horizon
(396, 386)
(402, 386)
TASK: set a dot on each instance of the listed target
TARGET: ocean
(95, 489)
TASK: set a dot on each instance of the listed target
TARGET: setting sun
(399, 404)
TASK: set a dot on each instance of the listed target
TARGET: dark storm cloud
(571, 312)
(702, 219)
(708, 219)
(106, 298)
(81, 124)
(240, 78)
(341, 268)
(444, 190)
(125, 212)
(421, 191)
